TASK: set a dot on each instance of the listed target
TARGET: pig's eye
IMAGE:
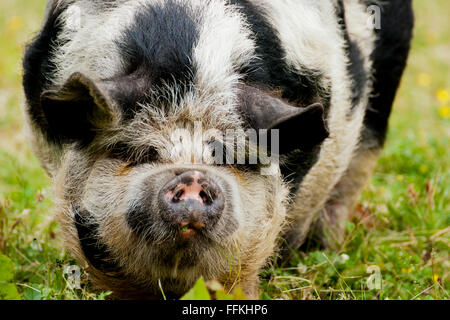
(146, 155)
(225, 157)
(133, 156)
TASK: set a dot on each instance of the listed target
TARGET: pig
(130, 106)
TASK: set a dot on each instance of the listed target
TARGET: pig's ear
(300, 127)
(76, 111)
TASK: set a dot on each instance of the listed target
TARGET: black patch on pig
(188, 181)
(157, 50)
(39, 68)
(358, 75)
(140, 222)
(296, 165)
(94, 250)
(389, 61)
(269, 67)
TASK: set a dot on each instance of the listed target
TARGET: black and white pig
(116, 94)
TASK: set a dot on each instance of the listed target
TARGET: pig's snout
(191, 202)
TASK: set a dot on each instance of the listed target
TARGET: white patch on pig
(89, 47)
(225, 46)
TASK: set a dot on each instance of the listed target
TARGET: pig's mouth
(189, 229)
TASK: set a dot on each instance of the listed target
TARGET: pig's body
(109, 82)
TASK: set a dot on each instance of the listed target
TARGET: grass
(401, 227)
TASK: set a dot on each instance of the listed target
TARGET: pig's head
(146, 198)
(149, 191)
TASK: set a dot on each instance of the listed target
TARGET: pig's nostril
(178, 195)
(206, 197)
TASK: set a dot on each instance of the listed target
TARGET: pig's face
(175, 222)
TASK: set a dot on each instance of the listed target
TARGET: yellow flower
(435, 277)
(444, 112)
(423, 168)
(424, 80)
(400, 178)
(443, 96)
(14, 24)
(409, 270)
